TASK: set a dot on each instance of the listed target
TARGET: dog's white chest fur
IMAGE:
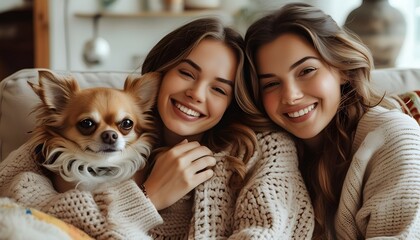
(88, 170)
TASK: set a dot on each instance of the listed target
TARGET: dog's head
(94, 128)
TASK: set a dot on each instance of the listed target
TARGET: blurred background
(117, 34)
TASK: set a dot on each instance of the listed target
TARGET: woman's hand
(177, 171)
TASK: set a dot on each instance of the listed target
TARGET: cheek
(330, 88)
(161, 97)
(170, 83)
(164, 94)
(219, 107)
(270, 102)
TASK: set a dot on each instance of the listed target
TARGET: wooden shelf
(186, 13)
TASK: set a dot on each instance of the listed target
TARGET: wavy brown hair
(231, 132)
(324, 170)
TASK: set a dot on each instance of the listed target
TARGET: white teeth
(187, 111)
(301, 112)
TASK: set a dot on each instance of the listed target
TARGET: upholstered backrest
(17, 99)
(396, 80)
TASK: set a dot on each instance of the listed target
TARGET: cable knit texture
(381, 192)
(273, 204)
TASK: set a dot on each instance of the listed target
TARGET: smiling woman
(360, 161)
(285, 80)
(195, 94)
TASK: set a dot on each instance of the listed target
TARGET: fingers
(202, 169)
(187, 153)
(182, 148)
(203, 176)
(198, 153)
(202, 163)
(182, 142)
(177, 171)
(195, 157)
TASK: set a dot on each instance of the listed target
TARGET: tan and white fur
(88, 138)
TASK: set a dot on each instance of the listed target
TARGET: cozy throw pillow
(410, 102)
(18, 222)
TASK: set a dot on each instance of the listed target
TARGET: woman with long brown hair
(360, 161)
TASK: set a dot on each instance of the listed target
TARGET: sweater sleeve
(117, 212)
(274, 203)
(381, 193)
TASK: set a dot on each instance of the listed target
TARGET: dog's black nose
(109, 137)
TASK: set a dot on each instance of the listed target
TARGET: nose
(109, 137)
(197, 92)
(292, 92)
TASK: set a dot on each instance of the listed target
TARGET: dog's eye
(126, 124)
(86, 126)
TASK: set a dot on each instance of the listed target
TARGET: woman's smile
(186, 111)
(302, 111)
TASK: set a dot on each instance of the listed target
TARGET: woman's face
(195, 94)
(300, 92)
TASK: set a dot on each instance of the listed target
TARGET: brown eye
(126, 125)
(220, 90)
(307, 71)
(86, 126)
(270, 85)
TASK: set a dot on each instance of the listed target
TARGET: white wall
(337, 9)
(410, 51)
(131, 38)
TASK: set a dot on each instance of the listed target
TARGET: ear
(54, 91)
(145, 88)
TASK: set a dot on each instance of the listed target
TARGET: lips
(301, 112)
(188, 111)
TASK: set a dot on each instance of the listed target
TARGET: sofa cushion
(17, 99)
(396, 80)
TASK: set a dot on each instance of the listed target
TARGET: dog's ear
(145, 88)
(54, 91)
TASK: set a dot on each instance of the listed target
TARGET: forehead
(214, 54)
(210, 44)
(285, 50)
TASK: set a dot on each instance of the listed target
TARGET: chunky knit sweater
(381, 192)
(273, 204)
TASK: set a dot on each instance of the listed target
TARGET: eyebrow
(294, 65)
(301, 61)
(198, 68)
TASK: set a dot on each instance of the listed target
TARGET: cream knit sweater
(381, 193)
(273, 204)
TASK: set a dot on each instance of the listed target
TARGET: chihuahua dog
(88, 138)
